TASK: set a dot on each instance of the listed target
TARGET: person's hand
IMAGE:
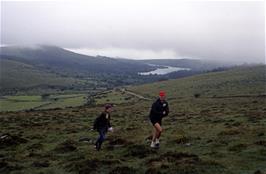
(110, 129)
(164, 112)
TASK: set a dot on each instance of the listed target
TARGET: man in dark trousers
(159, 110)
(102, 125)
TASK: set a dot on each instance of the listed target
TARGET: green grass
(115, 97)
(24, 98)
(7, 105)
(18, 103)
(238, 81)
(29, 76)
(70, 101)
(203, 135)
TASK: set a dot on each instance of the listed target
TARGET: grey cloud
(208, 30)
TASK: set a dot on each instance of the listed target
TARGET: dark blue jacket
(102, 121)
(157, 109)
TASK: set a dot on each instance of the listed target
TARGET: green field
(222, 130)
(116, 97)
(18, 103)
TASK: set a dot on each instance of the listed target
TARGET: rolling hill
(242, 80)
(51, 68)
(21, 74)
(63, 61)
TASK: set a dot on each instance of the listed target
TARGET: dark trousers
(101, 138)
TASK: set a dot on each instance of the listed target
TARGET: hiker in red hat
(159, 110)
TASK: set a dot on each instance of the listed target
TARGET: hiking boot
(157, 142)
(97, 147)
(153, 144)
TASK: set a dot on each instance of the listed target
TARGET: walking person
(159, 110)
(102, 125)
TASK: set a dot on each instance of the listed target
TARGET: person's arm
(95, 124)
(97, 121)
(166, 110)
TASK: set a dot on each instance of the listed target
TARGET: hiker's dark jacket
(102, 122)
(157, 109)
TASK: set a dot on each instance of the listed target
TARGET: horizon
(39, 46)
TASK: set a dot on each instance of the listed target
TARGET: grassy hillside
(238, 81)
(37, 102)
(33, 70)
(106, 72)
(17, 76)
(53, 68)
(66, 62)
(206, 134)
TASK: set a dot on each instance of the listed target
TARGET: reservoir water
(164, 70)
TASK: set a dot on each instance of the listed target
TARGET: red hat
(162, 93)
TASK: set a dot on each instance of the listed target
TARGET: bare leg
(154, 134)
(157, 131)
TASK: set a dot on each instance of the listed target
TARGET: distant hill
(54, 68)
(66, 62)
(50, 67)
(243, 80)
(16, 76)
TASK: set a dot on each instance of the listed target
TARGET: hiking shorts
(156, 120)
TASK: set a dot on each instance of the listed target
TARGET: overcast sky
(141, 29)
